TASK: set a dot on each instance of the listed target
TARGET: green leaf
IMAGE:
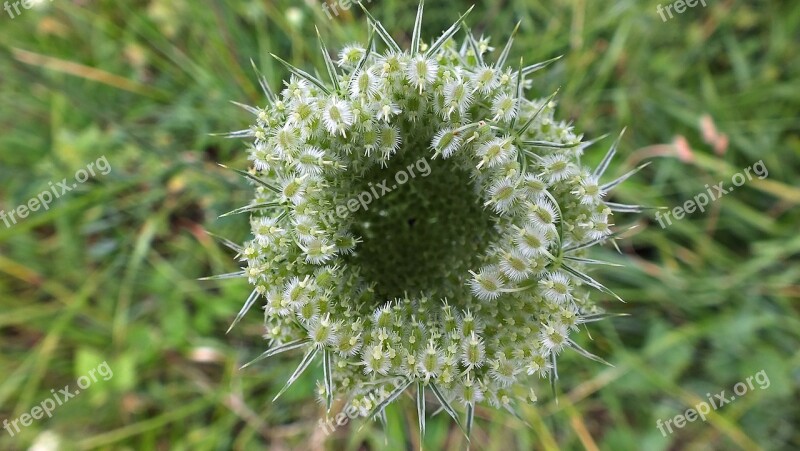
(125, 373)
(86, 359)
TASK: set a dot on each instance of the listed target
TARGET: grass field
(109, 272)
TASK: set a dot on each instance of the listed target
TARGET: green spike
(327, 372)
(547, 101)
(421, 410)
(447, 34)
(379, 407)
(611, 185)
(445, 404)
(303, 74)
(307, 359)
(250, 208)
(501, 60)
(472, 43)
(328, 62)
(586, 353)
(519, 97)
(278, 350)
(534, 67)
(245, 308)
(387, 38)
(416, 36)
(253, 178)
(601, 168)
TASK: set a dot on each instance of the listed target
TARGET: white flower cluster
(468, 281)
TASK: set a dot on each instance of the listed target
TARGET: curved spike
(534, 67)
(249, 208)
(388, 400)
(252, 110)
(328, 62)
(611, 185)
(421, 410)
(230, 275)
(253, 178)
(501, 60)
(278, 350)
(379, 28)
(307, 359)
(262, 81)
(245, 308)
(586, 353)
(303, 74)
(447, 34)
(601, 168)
(445, 404)
(416, 36)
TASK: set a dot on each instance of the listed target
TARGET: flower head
(416, 217)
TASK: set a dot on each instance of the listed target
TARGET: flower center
(426, 228)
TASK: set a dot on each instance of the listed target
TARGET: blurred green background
(109, 272)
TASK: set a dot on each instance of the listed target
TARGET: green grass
(110, 272)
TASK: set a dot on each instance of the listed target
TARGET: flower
(466, 281)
